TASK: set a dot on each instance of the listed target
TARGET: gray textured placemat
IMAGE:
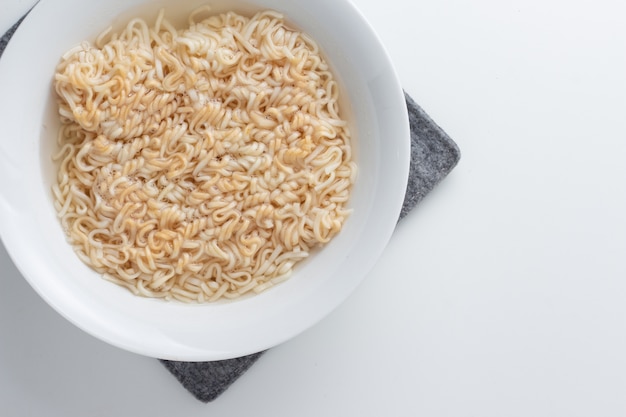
(433, 155)
(7, 36)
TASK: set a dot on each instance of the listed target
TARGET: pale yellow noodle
(201, 163)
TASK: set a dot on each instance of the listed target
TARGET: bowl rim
(62, 298)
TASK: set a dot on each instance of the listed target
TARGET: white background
(502, 294)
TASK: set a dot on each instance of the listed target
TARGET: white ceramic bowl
(33, 237)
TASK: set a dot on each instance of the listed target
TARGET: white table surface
(503, 294)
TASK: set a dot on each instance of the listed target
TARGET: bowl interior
(372, 101)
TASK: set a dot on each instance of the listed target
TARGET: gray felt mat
(433, 156)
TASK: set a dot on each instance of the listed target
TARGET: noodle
(202, 163)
